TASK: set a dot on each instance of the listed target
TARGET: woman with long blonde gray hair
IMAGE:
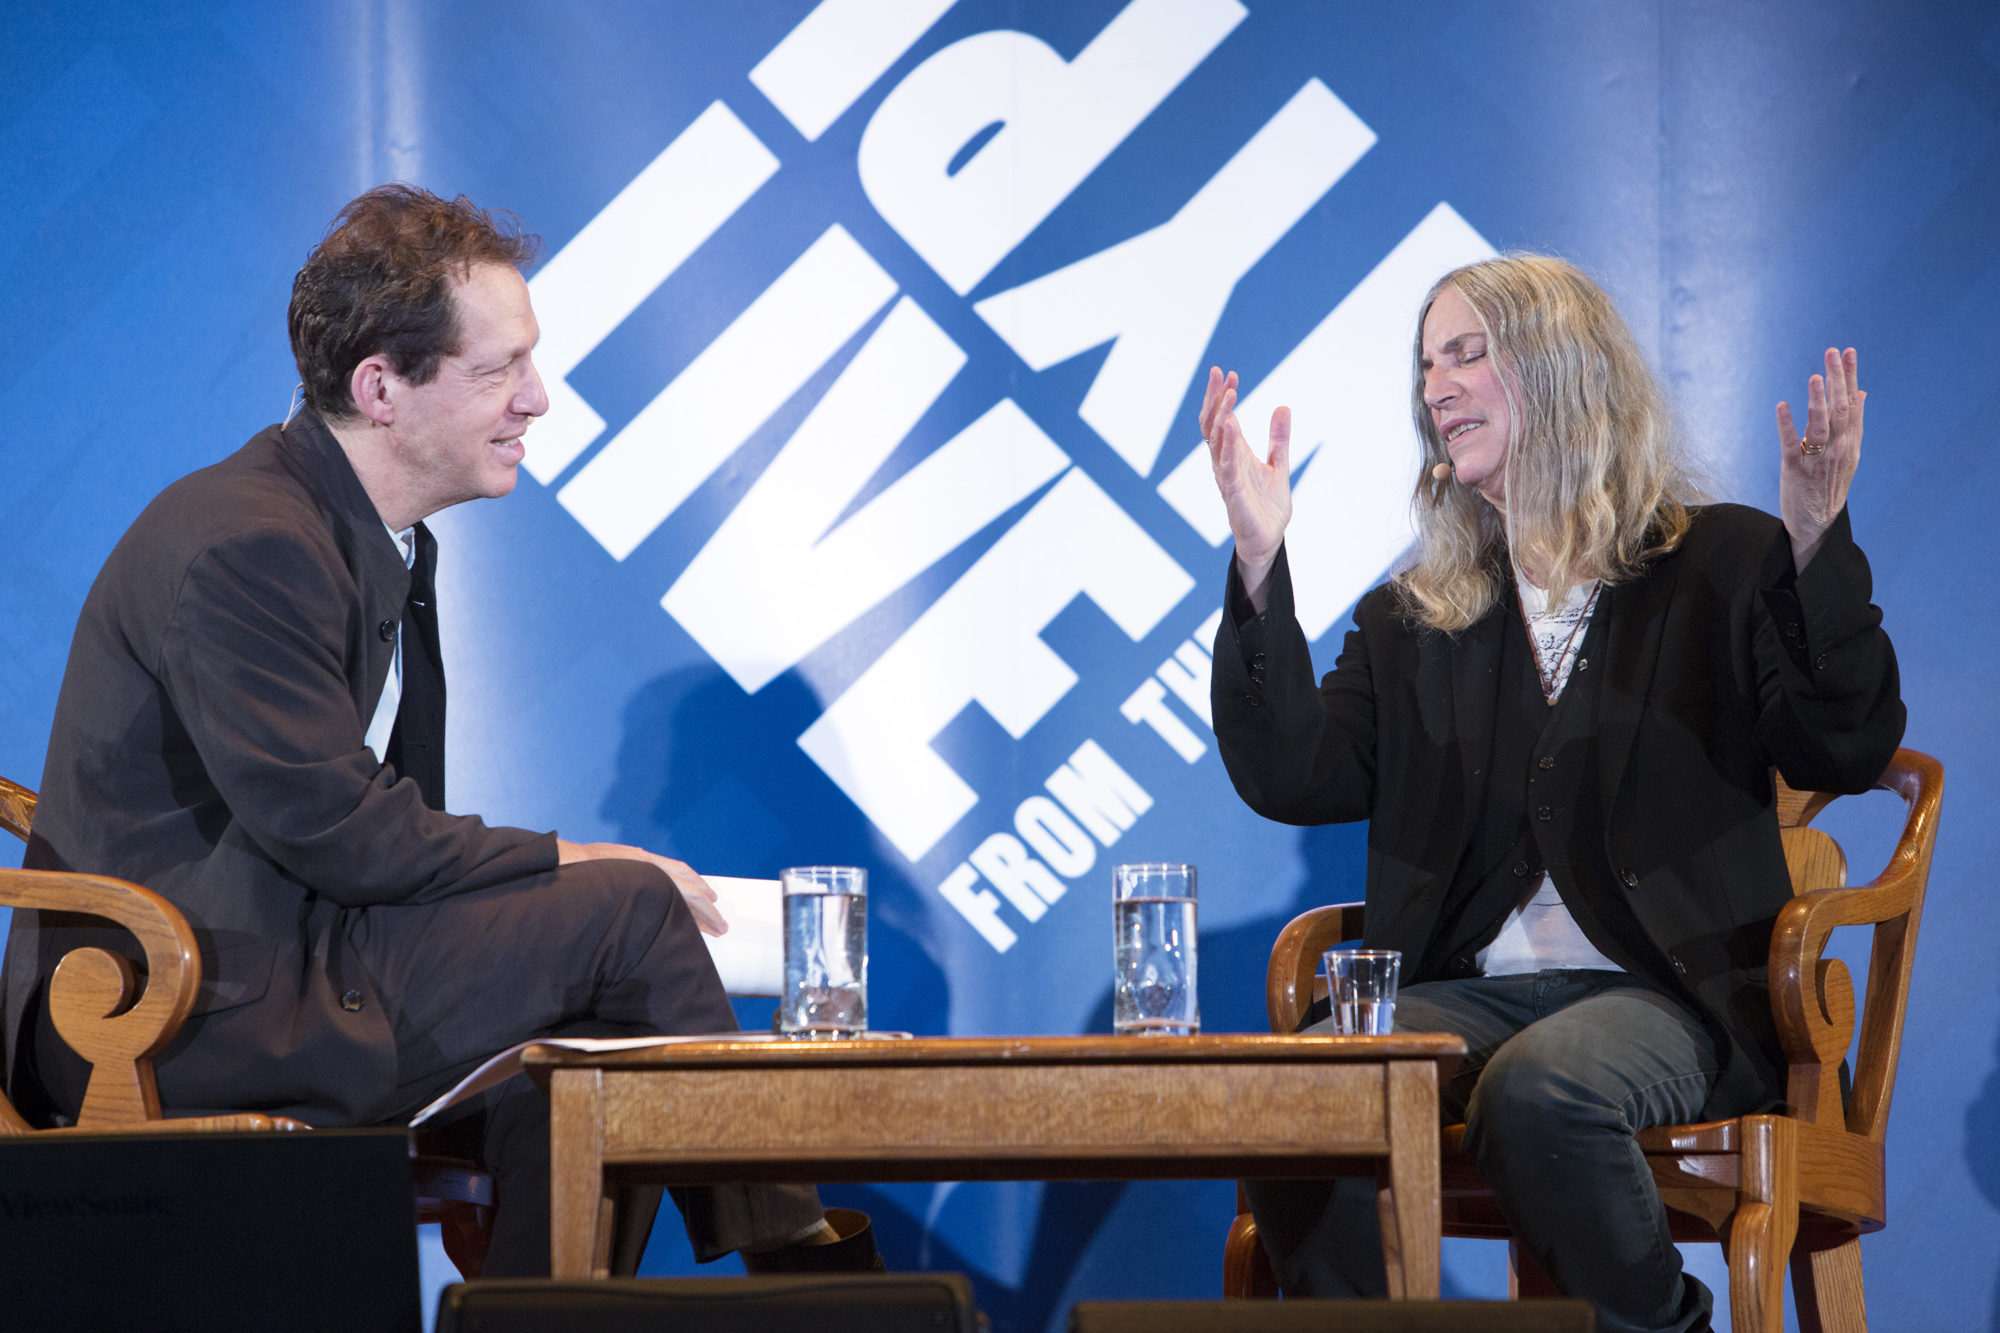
(1560, 717)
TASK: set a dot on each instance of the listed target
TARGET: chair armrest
(242, 1123)
(1288, 984)
(92, 988)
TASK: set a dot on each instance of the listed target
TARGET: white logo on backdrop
(785, 572)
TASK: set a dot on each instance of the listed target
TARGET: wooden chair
(100, 1009)
(1805, 1185)
(17, 808)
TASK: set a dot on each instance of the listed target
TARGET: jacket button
(1546, 761)
(1256, 661)
(1819, 663)
(1253, 701)
(1791, 629)
(1545, 814)
(351, 1001)
(1631, 880)
(387, 629)
(1680, 968)
(1520, 870)
(1583, 664)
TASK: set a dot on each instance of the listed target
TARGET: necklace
(1551, 677)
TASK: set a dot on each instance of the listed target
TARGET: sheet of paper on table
(508, 1063)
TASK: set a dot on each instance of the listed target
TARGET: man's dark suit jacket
(1718, 664)
(208, 743)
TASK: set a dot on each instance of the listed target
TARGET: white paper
(751, 957)
(508, 1063)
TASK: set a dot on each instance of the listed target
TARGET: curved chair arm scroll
(1815, 1018)
(92, 988)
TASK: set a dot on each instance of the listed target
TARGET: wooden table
(993, 1108)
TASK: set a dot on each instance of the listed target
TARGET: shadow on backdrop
(1982, 1151)
(687, 734)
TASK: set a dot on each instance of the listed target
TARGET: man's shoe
(854, 1252)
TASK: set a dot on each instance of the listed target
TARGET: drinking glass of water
(1153, 988)
(826, 952)
(1361, 986)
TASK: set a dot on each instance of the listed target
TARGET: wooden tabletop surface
(1101, 1048)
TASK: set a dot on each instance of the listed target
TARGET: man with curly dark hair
(252, 725)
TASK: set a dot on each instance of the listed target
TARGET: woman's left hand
(1815, 472)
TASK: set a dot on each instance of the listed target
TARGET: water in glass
(1365, 1018)
(1154, 992)
(826, 964)
(1361, 987)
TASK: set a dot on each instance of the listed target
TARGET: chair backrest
(17, 808)
(1293, 981)
(17, 812)
(1892, 903)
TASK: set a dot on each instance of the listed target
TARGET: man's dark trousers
(447, 967)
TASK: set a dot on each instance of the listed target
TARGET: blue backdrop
(860, 530)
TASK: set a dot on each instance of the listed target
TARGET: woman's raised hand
(1814, 472)
(1257, 492)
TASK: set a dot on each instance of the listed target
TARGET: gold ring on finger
(1811, 450)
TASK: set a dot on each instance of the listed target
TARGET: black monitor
(304, 1230)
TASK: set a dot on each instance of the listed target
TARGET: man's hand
(1815, 472)
(700, 898)
(1257, 492)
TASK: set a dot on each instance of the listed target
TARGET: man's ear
(373, 385)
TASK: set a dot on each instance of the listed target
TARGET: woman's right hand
(1257, 492)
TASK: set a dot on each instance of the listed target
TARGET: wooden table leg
(1407, 1185)
(579, 1203)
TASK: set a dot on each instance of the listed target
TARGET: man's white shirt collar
(384, 721)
